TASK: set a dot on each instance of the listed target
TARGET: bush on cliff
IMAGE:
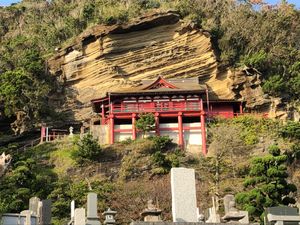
(88, 150)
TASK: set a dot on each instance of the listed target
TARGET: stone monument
(232, 214)
(4, 162)
(183, 188)
(34, 205)
(281, 215)
(45, 216)
(214, 217)
(151, 213)
(71, 131)
(109, 217)
(79, 216)
(92, 216)
(27, 214)
(72, 209)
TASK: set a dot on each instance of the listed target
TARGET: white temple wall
(122, 136)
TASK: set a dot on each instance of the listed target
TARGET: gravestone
(213, 217)
(5, 160)
(151, 213)
(232, 214)
(72, 209)
(79, 216)
(282, 215)
(227, 199)
(27, 214)
(33, 205)
(46, 212)
(183, 187)
(92, 216)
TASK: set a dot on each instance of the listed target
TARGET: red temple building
(181, 108)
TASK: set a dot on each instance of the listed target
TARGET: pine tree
(266, 184)
(145, 123)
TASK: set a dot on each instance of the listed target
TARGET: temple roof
(161, 85)
(167, 86)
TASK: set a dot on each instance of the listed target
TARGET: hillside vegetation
(125, 175)
(263, 37)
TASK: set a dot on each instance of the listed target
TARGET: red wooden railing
(177, 106)
(156, 107)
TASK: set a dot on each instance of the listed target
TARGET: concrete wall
(192, 138)
(100, 132)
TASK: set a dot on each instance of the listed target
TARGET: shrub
(291, 130)
(267, 185)
(145, 123)
(274, 85)
(88, 149)
(256, 60)
(164, 162)
(162, 143)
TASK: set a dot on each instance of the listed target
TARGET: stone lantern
(109, 217)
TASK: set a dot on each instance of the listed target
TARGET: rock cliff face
(116, 57)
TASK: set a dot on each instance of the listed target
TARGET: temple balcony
(156, 107)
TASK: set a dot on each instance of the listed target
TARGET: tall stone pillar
(92, 216)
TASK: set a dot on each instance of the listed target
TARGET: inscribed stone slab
(72, 208)
(79, 216)
(46, 212)
(92, 205)
(183, 187)
(33, 205)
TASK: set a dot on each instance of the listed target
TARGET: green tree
(291, 130)
(266, 184)
(88, 149)
(145, 123)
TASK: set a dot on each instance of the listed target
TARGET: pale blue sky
(296, 2)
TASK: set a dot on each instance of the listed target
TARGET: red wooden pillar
(157, 124)
(180, 130)
(241, 108)
(111, 129)
(203, 131)
(133, 126)
(43, 133)
(102, 115)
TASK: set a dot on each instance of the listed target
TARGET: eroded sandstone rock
(117, 57)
